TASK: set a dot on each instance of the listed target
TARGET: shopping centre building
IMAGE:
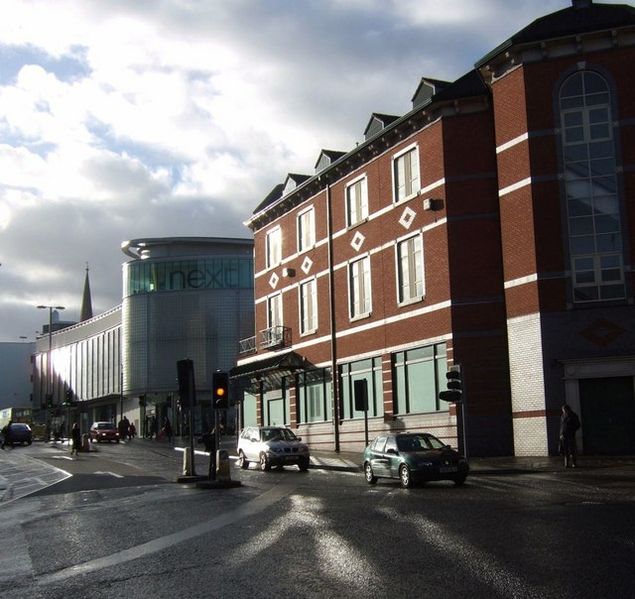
(183, 298)
(491, 228)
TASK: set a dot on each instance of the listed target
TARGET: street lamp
(49, 369)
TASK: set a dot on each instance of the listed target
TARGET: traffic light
(220, 390)
(69, 396)
(187, 388)
(454, 384)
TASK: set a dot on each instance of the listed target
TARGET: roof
(568, 21)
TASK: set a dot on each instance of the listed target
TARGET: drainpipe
(334, 375)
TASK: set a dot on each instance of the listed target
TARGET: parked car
(413, 457)
(104, 431)
(271, 446)
(20, 433)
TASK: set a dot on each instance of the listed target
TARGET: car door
(378, 460)
(251, 443)
(393, 461)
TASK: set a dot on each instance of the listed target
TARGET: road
(131, 530)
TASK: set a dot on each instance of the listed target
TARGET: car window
(379, 444)
(391, 443)
(105, 425)
(434, 442)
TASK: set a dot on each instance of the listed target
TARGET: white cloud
(127, 119)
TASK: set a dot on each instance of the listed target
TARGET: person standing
(167, 429)
(6, 435)
(569, 424)
(76, 439)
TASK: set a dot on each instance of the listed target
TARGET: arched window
(593, 216)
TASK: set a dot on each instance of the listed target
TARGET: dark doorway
(608, 415)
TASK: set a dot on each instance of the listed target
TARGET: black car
(20, 433)
(413, 457)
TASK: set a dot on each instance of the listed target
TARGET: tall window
(410, 269)
(593, 216)
(369, 370)
(419, 375)
(274, 247)
(308, 307)
(357, 201)
(406, 174)
(359, 287)
(314, 396)
(306, 230)
(274, 310)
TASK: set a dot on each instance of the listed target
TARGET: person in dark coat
(569, 424)
(6, 435)
(167, 429)
(76, 438)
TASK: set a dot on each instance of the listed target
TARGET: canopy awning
(269, 370)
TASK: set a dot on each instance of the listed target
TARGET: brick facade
(489, 207)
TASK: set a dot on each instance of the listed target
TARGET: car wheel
(242, 460)
(371, 479)
(303, 464)
(459, 480)
(29, 442)
(264, 462)
(404, 476)
(117, 441)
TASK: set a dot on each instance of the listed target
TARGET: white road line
(109, 474)
(246, 510)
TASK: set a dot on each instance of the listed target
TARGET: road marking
(109, 474)
(61, 457)
(246, 510)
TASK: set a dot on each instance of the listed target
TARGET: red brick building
(490, 227)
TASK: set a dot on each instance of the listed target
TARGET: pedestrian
(133, 431)
(76, 438)
(126, 428)
(6, 435)
(569, 424)
(167, 429)
(153, 427)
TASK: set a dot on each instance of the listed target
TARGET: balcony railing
(247, 346)
(274, 337)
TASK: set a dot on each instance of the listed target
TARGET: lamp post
(49, 368)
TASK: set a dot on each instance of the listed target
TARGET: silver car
(271, 446)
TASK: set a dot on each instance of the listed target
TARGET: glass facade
(418, 377)
(195, 274)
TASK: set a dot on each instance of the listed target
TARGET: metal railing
(247, 346)
(273, 337)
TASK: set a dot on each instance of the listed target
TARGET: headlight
(275, 449)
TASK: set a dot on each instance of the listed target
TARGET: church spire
(86, 311)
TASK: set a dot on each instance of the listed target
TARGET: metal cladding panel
(162, 328)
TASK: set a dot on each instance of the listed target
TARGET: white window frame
(273, 322)
(354, 307)
(362, 204)
(273, 250)
(402, 301)
(415, 181)
(308, 324)
(306, 230)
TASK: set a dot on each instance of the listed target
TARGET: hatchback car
(413, 457)
(271, 446)
(104, 431)
(20, 433)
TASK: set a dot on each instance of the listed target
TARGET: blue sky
(122, 119)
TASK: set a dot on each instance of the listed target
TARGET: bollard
(187, 466)
(222, 465)
(85, 443)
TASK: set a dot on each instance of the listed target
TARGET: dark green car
(413, 457)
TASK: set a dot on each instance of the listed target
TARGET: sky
(124, 119)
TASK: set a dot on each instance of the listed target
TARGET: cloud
(121, 120)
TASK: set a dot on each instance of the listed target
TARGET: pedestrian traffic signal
(220, 390)
(454, 385)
